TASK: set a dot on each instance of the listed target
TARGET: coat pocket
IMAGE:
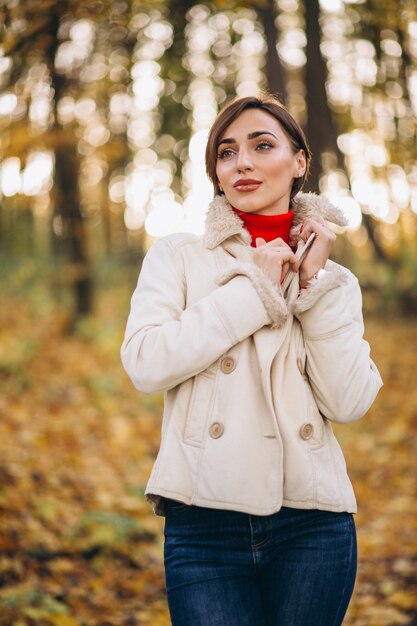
(332, 483)
(199, 408)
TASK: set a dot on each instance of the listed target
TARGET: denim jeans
(224, 568)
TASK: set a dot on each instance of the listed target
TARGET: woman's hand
(275, 258)
(320, 249)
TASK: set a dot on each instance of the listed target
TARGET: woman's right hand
(275, 258)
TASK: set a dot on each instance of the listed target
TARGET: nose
(244, 162)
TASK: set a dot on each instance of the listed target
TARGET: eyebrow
(253, 135)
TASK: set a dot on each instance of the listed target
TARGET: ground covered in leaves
(78, 544)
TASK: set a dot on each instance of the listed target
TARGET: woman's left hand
(320, 249)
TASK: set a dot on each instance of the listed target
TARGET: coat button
(306, 431)
(216, 430)
(227, 364)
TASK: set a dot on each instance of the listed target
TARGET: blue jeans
(223, 568)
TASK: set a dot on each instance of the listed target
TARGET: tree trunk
(321, 132)
(68, 232)
(274, 72)
(176, 119)
(69, 228)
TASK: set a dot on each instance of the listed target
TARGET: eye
(264, 145)
(225, 153)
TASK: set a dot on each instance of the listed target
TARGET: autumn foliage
(79, 545)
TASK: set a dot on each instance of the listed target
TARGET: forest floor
(78, 544)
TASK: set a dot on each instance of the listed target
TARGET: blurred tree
(267, 13)
(108, 94)
(33, 48)
(174, 105)
(68, 230)
(387, 115)
(54, 67)
(274, 71)
(320, 127)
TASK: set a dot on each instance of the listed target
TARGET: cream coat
(252, 376)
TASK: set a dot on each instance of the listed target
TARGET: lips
(247, 184)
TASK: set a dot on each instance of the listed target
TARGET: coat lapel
(222, 223)
(224, 228)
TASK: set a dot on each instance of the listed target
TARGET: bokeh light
(120, 108)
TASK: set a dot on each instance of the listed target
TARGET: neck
(268, 227)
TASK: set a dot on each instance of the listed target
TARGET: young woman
(255, 337)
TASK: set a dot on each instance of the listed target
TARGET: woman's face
(256, 164)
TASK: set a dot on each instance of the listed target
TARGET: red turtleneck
(267, 226)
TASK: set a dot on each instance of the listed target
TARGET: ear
(300, 164)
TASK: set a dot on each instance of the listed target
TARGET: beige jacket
(252, 377)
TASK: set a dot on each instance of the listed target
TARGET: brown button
(227, 364)
(216, 430)
(306, 431)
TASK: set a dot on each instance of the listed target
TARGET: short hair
(274, 107)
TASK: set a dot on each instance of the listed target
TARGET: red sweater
(267, 226)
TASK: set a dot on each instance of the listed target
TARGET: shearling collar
(222, 222)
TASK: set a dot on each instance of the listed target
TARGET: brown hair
(270, 105)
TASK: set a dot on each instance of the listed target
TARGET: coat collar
(223, 223)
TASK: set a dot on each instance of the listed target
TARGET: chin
(248, 205)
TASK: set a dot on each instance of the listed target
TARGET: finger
(312, 226)
(287, 257)
(294, 264)
(272, 267)
(285, 270)
(306, 229)
(318, 219)
(313, 218)
(260, 241)
(278, 243)
(291, 265)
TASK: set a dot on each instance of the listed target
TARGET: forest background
(104, 112)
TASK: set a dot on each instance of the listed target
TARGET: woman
(256, 339)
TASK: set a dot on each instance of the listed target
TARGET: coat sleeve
(344, 379)
(167, 342)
